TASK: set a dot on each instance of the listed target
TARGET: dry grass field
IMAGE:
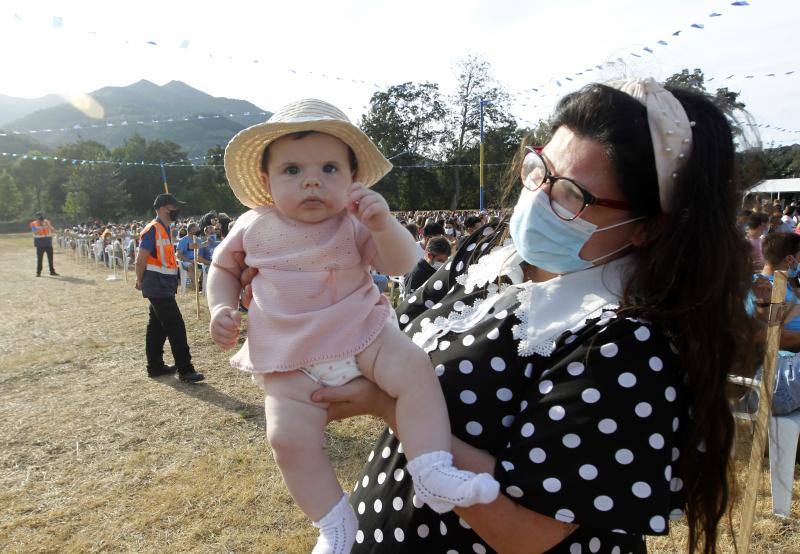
(96, 457)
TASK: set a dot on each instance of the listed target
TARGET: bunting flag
(162, 166)
(648, 49)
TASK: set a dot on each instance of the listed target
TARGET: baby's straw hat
(244, 151)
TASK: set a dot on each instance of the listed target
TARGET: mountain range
(174, 111)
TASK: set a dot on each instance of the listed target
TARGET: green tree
(209, 189)
(11, 206)
(405, 122)
(34, 177)
(727, 100)
(476, 90)
(142, 183)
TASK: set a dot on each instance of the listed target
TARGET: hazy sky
(339, 51)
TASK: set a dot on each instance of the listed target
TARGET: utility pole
(482, 102)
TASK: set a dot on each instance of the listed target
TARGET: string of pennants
(58, 22)
(125, 123)
(184, 44)
(773, 128)
(645, 51)
(76, 162)
(121, 122)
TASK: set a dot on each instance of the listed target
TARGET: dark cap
(39, 215)
(164, 199)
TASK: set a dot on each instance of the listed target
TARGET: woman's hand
(358, 397)
(248, 273)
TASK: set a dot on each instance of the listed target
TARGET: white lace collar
(564, 303)
(500, 262)
(545, 309)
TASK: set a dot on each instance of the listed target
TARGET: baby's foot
(441, 486)
(337, 529)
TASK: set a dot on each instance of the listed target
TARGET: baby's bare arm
(223, 287)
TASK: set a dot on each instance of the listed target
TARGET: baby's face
(309, 178)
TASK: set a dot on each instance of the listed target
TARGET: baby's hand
(369, 206)
(224, 327)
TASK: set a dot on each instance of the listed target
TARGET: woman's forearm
(508, 527)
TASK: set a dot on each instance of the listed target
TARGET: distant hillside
(12, 108)
(125, 107)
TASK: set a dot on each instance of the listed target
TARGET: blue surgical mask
(548, 242)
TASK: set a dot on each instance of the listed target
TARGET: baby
(316, 317)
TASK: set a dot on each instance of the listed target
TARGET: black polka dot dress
(590, 435)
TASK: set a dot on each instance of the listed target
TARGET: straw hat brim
(244, 151)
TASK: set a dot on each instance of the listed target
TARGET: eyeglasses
(568, 199)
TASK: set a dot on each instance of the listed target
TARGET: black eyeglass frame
(589, 199)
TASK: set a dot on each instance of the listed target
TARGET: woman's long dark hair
(691, 277)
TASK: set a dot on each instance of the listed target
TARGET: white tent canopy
(775, 185)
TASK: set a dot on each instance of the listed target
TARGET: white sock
(441, 486)
(337, 529)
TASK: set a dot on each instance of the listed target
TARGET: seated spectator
(206, 251)
(437, 251)
(381, 281)
(430, 231)
(777, 225)
(224, 225)
(781, 253)
(754, 232)
(186, 255)
(208, 219)
(471, 223)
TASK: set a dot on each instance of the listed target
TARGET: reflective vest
(162, 259)
(40, 230)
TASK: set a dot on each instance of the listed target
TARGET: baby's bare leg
(295, 430)
(404, 371)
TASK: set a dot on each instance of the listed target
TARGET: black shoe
(159, 371)
(189, 375)
(38, 274)
(53, 274)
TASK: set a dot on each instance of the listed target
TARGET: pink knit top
(313, 298)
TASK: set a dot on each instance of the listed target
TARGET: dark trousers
(165, 323)
(40, 252)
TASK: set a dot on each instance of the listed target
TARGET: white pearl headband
(670, 131)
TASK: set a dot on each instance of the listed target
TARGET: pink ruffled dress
(313, 298)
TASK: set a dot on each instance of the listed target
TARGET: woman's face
(584, 161)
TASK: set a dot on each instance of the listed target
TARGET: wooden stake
(194, 246)
(761, 422)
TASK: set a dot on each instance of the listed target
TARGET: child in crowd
(316, 317)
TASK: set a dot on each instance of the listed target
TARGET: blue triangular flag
(697, 25)
(662, 42)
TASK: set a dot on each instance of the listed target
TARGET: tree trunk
(457, 190)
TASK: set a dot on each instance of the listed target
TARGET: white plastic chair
(97, 249)
(184, 274)
(784, 432)
(398, 285)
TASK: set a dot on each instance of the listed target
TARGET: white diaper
(333, 374)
